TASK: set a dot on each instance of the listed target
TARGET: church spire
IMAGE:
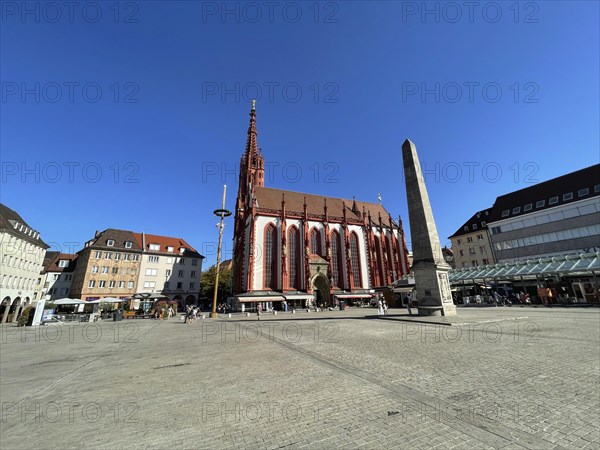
(252, 142)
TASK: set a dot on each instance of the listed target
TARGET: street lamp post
(222, 213)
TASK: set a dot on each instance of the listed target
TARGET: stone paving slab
(314, 380)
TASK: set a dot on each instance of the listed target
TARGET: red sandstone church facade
(308, 249)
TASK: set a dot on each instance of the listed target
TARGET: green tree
(207, 283)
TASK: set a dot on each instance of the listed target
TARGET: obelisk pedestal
(429, 267)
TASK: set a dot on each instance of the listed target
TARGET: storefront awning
(256, 298)
(298, 296)
(353, 295)
(582, 264)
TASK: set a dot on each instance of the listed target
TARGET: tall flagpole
(222, 213)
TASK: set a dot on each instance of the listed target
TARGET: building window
(597, 188)
(64, 291)
(583, 192)
(516, 210)
(135, 257)
(115, 270)
(101, 284)
(480, 237)
(462, 253)
(63, 263)
(153, 259)
(126, 257)
(117, 256)
(128, 244)
(470, 239)
(180, 274)
(98, 255)
(486, 261)
(458, 241)
(474, 226)
(92, 284)
(505, 213)
(553, 200)
(111, 284)
(182, 261)
(540, 203)
(107, 255)
(166, 286)
(270, 267)
(110, 243)
(193, 274)
(567, 196)
(94, 269)
(315, 242)
(168, 273)
(130, 285)
(154, 247)
(149, 284)
(192, 285)
(179, 285)
(194, 262)
(151, 272)
(355, 261)
(104, 269)
(336, 258)
(481, 249)
(474, 263)
(121, 284)
(528, 207)
(294, 254)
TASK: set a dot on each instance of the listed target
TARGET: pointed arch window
(270, 268)
(355, 260)
(294, 255)
(315, 242)
(379, 260)
(336, 259)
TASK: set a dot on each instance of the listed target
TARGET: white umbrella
(67, 301)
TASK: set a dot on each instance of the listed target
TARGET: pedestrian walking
(385, 307)
(169, 312)
(380, 307)
(408, 300)
(258, 310)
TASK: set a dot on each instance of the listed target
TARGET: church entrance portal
(320, 287)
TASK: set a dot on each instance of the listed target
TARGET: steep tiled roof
(588, 178)
(51, 261)
(478, 221)
(120, 238)
(165, 242)
(269, 198)
(9, 219)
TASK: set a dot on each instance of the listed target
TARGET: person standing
(385, 307)
(379, 307)
(258, 310)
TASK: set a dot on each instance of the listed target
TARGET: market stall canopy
(106, 300)
(67, 301)
(148, 296)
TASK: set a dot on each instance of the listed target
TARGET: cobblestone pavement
(497, 378)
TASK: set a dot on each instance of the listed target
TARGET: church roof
(270, 198)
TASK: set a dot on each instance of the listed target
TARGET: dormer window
(128, 244)
(63, 263)
(540, 203)
(181, 250)
(553, 200)
(474, 226)
(155, 247)
(170, 249)
(516, 210)
(528, 207)
(505, 213)
(568, 196)
(110, 243)
(483, 224)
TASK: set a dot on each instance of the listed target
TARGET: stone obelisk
(431, 270)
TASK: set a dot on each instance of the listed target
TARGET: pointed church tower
(252, 164)
(252, 174)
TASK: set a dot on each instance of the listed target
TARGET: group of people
(160, 313)
(191, 314)
(382, 306)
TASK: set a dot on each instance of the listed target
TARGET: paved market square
(489, 378)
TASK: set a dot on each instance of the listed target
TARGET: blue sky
(134, 117)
